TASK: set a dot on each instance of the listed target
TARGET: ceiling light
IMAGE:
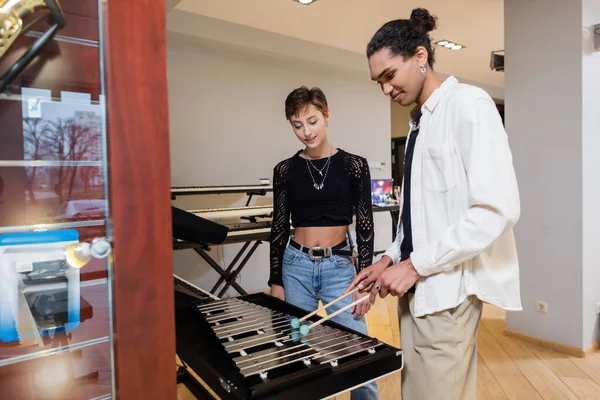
(450, 45)
(305, 1)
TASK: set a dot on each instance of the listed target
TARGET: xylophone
(246, 348)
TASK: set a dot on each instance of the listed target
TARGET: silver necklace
(319, 186)
(320, 171)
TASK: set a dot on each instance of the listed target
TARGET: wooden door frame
(139, 192)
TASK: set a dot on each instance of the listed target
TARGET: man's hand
(277, 291)
(395, 280)
(365, 278)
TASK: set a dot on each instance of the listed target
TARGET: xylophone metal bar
(333, 355)
(271, 354)
(293, 336)
(234, 313)
(231, 310)
(257, 327)
(249, 318)
(233, 307)
(256, 323)
(224, 307)
(270, 336)
(219, 304)
(368, 345)
(324, 345)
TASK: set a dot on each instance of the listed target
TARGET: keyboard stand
(261, 192)
(228, 275)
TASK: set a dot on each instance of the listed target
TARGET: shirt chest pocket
(439, 168)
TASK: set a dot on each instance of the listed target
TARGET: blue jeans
(306, 282)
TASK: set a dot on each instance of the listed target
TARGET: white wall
(591, 172)
(554, 136)
(228, 127)
(400, 117)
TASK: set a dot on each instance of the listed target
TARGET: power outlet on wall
(541, 306)
(377, 165)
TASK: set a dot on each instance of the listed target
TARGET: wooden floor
(507, 368)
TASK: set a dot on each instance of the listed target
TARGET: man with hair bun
(455, 247)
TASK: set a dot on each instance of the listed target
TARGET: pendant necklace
(319, 186)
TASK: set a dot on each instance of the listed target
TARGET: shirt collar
(439, 93)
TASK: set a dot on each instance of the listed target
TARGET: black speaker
(497, 61)
(195, 229)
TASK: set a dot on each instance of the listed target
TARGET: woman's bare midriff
(320, 236)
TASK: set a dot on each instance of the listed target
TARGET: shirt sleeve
(280, 230)
(365, 233)
(393, 252)
(493, 195)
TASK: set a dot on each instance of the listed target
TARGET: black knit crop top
(345, 191)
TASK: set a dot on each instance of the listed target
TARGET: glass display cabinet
(86, 289)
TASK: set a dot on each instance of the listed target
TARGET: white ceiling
(349, 24)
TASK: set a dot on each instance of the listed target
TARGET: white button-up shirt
(464, 203)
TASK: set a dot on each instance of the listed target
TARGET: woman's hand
(277, 291)
(361, 308)
(365, 279)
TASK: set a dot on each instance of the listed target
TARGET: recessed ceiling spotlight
(450, 45)
(306, 2)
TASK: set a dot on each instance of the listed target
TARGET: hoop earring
(423, 70)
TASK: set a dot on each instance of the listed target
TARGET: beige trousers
(440, 351)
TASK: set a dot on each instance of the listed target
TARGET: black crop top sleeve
(363, 209)
(280, 229)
